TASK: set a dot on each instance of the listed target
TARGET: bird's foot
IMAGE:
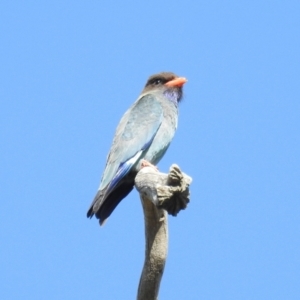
(145, 163)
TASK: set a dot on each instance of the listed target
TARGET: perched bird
(142, 138)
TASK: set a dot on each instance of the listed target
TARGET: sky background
(70, 69)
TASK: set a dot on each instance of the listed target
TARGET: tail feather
(96, 204)
(104, 204)
(112, 201)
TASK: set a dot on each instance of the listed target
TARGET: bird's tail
(96, 204)
(104, 204)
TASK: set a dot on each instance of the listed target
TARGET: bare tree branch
(160, 194)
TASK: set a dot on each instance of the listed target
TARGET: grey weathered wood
(160, 194)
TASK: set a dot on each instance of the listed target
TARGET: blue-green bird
(142, 136)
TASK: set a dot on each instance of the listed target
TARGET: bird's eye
(157, 81)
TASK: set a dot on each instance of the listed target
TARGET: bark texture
(161, 194)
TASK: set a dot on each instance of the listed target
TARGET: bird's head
(169, 83)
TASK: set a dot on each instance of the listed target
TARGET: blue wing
(133, 137)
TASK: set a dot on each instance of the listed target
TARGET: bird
(142, 137)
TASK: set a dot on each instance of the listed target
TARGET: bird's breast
(164, 134)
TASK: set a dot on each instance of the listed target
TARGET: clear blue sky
(70, 69)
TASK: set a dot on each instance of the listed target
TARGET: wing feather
(134, 134)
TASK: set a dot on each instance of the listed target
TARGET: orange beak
(177, 82)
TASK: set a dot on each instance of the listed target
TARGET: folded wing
(133, 137)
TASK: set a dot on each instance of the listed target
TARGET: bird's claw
(145, 163)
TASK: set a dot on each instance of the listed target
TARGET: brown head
(168, 82)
